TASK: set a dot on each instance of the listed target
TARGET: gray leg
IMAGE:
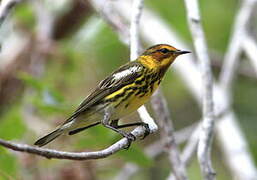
(106, 124)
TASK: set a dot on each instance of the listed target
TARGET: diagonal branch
(167, 135)
(235, 45)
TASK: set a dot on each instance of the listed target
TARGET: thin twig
(207, 129)
(50, 153)
(112, 18)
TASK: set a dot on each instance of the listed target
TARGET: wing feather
(125, 75)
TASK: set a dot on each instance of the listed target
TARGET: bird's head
(160, 56)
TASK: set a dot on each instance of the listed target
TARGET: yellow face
(160, 56)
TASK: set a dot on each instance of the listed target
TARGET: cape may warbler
(119, 94)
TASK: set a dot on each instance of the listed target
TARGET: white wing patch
(126, 72)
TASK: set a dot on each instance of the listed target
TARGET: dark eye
(164, 50)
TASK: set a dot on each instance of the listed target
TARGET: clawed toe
(130, 137)
(147, 130)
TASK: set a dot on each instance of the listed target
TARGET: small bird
(119, 94)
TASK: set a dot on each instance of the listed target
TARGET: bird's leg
(114, 124)
(83, 128)
(130, 137)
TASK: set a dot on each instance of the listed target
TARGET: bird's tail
(48, 138)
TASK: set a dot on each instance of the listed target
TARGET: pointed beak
(179, 52)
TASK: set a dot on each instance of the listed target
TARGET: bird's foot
(147, 130)
(130, 137)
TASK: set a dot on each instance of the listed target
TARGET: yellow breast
(133, 102)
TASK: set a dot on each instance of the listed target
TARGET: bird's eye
(164, 50)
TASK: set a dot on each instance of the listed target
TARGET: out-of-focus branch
(113, 18)
(191, 146)
(167, 135)
(250, 47)
(5, 8)
(207, 127)
(234, 48)
(49, 153)
(189, 134)
(72, 20)
(243, 69)
(130, 169)
(155, 149)
(137, 8)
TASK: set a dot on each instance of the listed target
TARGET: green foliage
(11, 127)
(217, 17)
(25, 15)
(136, 155)
(95, 137)
(8, 165)
(47, 99)
(11, 124)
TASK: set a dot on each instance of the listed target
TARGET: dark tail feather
(48, 138)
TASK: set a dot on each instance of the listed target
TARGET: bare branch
(113, 18)
(49, 153)
(130, 169)
(192, 142)
(250, 47)
(207, 127)
(235, 44)
(167, 135)
(153, 150)
(191, 146)
(5, 8)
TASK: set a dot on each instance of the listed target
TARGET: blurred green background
(44, 87)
